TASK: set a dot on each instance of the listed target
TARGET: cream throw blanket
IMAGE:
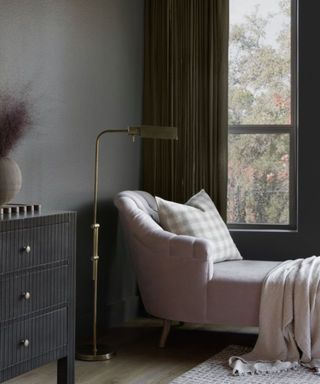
(289, 332)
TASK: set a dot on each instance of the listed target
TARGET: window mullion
(245, 129)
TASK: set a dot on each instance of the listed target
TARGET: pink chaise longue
(177, 278)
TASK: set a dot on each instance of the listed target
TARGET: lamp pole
(94, 351)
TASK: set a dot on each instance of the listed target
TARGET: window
(262, 113)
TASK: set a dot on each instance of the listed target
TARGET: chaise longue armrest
(173, 273)
(172, 270)
(155, 237)
(178, 245)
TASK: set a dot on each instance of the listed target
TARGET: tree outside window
(261, 112)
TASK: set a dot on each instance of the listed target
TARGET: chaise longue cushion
(235, 288)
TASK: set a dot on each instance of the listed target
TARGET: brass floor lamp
(95, 352)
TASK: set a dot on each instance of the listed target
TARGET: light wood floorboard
(139, 360)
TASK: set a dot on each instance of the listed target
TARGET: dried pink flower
(15, 120)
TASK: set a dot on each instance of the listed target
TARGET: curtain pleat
(185, 85)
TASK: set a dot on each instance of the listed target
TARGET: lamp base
(86, 353)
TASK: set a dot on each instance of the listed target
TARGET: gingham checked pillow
(199, 217)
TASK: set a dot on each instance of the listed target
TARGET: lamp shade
(154, 132)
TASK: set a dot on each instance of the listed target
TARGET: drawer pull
(26, 295)
(25, 343)
(27, 249)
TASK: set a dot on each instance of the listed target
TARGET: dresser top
(32, 215)
(29, 220)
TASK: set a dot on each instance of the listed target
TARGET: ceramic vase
(10, 180)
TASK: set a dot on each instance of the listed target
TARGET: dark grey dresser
(37, 293)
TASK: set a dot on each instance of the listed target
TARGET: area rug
(216, 371)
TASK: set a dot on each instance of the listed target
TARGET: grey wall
(306, 241)
(82, 61)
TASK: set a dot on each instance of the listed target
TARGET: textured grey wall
(82, 61)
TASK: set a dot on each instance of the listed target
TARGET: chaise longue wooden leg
(165, 332)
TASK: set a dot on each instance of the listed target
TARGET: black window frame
(291, 129)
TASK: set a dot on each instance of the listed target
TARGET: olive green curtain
(185, 85)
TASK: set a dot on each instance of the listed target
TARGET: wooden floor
(140, 361)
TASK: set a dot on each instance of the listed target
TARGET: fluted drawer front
(36, 246)
(33, 337)
(22, 294)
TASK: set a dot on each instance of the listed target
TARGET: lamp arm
(95, 226)
(96, 169)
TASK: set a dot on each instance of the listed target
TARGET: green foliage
(259, 71)
(258, 178)
(259, 93)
